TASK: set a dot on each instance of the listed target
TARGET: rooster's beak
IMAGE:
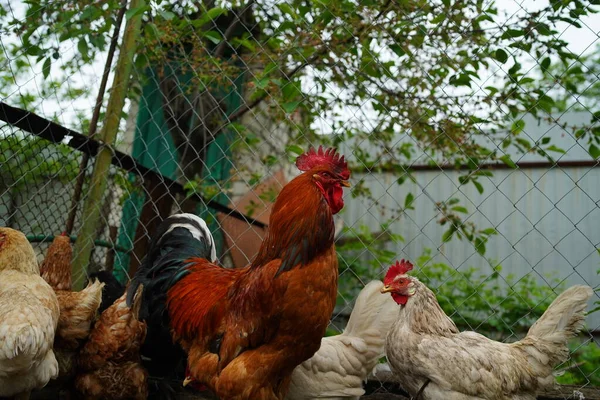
(386, 289)
(345, 183)
(187, 380)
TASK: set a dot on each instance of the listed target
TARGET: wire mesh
(471, 128)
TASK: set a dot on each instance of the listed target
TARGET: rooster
(78, 310)
(28, 319)
(111, 356)
(342, 364)
(431, 358)
(245, 330)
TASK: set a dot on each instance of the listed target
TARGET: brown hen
(111, 356)
(77, 309)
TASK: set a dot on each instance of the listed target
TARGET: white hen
(429, 354)
(339, 368)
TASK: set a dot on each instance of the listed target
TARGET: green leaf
(512, 33)
(461, 80)
(448, 234)
(508, 161)
(478, 186)
(291, 106)
(525, 46)
(136, 11)
(270, 68)
(418, 39)
(544, 29)
(213, 36)
(555, 149)
(291, 91)
(523, 142)
(472, 163)
(46, 67)
(398, 50)
(34, 50)
(501, 56)
(294, 149)
(480, 245)
(517, 127)
(167, 15)
(546, 103)
(82, 46)
(545, 64)
(287, 9)
(594, 151)
(489, 231)
(210, 15)
(263, 82)
(248, 44)
(439, 18)
(408, 201)
(460, 209)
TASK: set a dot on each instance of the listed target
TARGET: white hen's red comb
(400, 268)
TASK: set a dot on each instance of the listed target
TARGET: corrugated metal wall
(548, 219)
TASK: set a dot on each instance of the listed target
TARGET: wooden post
(91, 207)
(157, 206)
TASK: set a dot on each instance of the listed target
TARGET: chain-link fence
(471, 129)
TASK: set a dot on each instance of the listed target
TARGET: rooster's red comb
(315, 158)
(400, 268)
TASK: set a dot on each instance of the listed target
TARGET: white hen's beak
(386, 289)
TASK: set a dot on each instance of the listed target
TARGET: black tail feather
(113, 289)
(177, 239)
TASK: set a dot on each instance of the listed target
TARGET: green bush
(583, 368)
(501, 307)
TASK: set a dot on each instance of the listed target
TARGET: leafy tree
(454, 76)
(26, 161)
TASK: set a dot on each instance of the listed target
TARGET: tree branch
(231, 29)
(310, 60)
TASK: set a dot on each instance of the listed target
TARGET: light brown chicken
(111, 356)
(126, 380)
(28, 319)
(77, 309)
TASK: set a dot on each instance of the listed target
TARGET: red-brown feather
(196, 301)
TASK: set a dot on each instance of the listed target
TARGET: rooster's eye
(326, 175)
